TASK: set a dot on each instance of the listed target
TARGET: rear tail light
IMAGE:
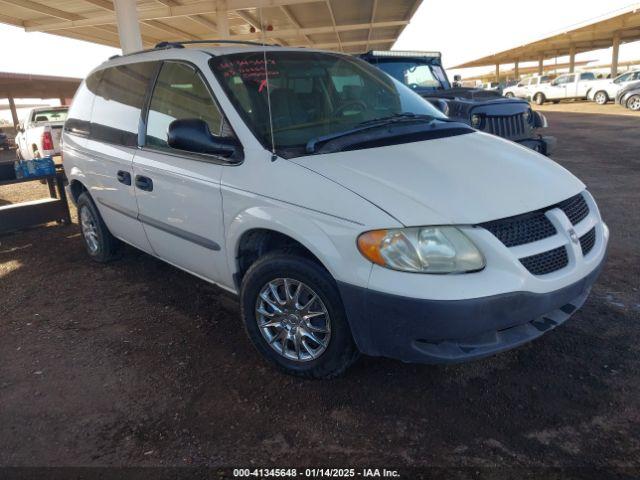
(47, 141)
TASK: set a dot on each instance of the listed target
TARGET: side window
(587, 76)
(180, 93)
(79, 119)
(118, 103)
(623, 78)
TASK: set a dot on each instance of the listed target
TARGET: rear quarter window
(79, 118)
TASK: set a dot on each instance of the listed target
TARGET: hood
(465, 179)
(474, 94)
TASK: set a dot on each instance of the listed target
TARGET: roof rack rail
(198, 42)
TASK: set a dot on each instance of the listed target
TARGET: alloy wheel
(293, 319)
(601, 98)
(634, 103)
(89, 229)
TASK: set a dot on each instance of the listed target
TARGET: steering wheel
(354, 103)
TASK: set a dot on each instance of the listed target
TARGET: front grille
(546, 262)
(587, 241)
(534, 226)
(513, 126)
(521, 229)
(575, 208)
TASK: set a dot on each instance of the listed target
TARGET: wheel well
(76, 188)
(257, 243)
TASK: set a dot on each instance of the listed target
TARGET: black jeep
(484, 110)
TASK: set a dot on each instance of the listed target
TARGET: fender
(307, 230)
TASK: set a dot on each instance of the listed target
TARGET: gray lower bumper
(543, 144)
(436, 331)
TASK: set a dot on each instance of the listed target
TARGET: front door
(178, 193)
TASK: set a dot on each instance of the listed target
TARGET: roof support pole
(614, 54)
(14, 112)
(222, 19)
(516, 70)
(540, 65)
(497, 72)
(572, 58)
(128, 28)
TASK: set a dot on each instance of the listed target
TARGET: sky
(460, 30)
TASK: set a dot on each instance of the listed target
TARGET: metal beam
(318, 30)
(353, 44)
(156, 13)
(14, 112)
(374, 8)
(222, 19)
(572, 58)
(333, 21)
(44, 9)
(614, 54)
(291, 17)
(128, 27)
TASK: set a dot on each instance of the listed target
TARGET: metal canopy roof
(21, 85)
(622, 26)
(344, 25)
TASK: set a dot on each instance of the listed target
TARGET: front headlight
(422, 250)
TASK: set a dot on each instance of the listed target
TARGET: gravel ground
(137, 363)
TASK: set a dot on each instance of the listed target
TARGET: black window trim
(174, 152)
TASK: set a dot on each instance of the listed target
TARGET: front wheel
(294, 316)
(601, 98)
(509, 95)
(634, 103)
(539, 98)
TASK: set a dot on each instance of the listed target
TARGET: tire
(106, 245)
(287, 269)
(539, 98)
(634, 103)
(601, 97)
(509, 95)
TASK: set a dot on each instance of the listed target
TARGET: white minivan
(348, 214)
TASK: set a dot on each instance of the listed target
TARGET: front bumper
(542, 144)
(453, 331)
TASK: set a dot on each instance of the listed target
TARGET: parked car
(347, 213)
(39, 134)
(523, 88)
(4, 141)
(602, 91)
(629, 96)
(484, 110)
(572, 86)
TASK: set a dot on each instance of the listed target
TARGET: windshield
(312, 94)
(56, 115)
(414, 74)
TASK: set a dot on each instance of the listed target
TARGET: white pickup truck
(565, 87)
(39, 133)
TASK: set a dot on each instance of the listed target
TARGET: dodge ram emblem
(573, 236)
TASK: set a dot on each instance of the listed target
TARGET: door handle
(124, 177)
(144, 183)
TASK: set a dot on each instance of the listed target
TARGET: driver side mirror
(457, 78)
(193, 135)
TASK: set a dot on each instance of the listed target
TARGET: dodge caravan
(348, 213)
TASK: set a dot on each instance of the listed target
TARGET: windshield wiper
(373, 123)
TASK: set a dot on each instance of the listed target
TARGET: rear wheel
(294, 316)
(100, 244)
(601, 97)
(539, 98)
(634, 103)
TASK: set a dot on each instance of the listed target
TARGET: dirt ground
(588, 107)
(137, 363)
